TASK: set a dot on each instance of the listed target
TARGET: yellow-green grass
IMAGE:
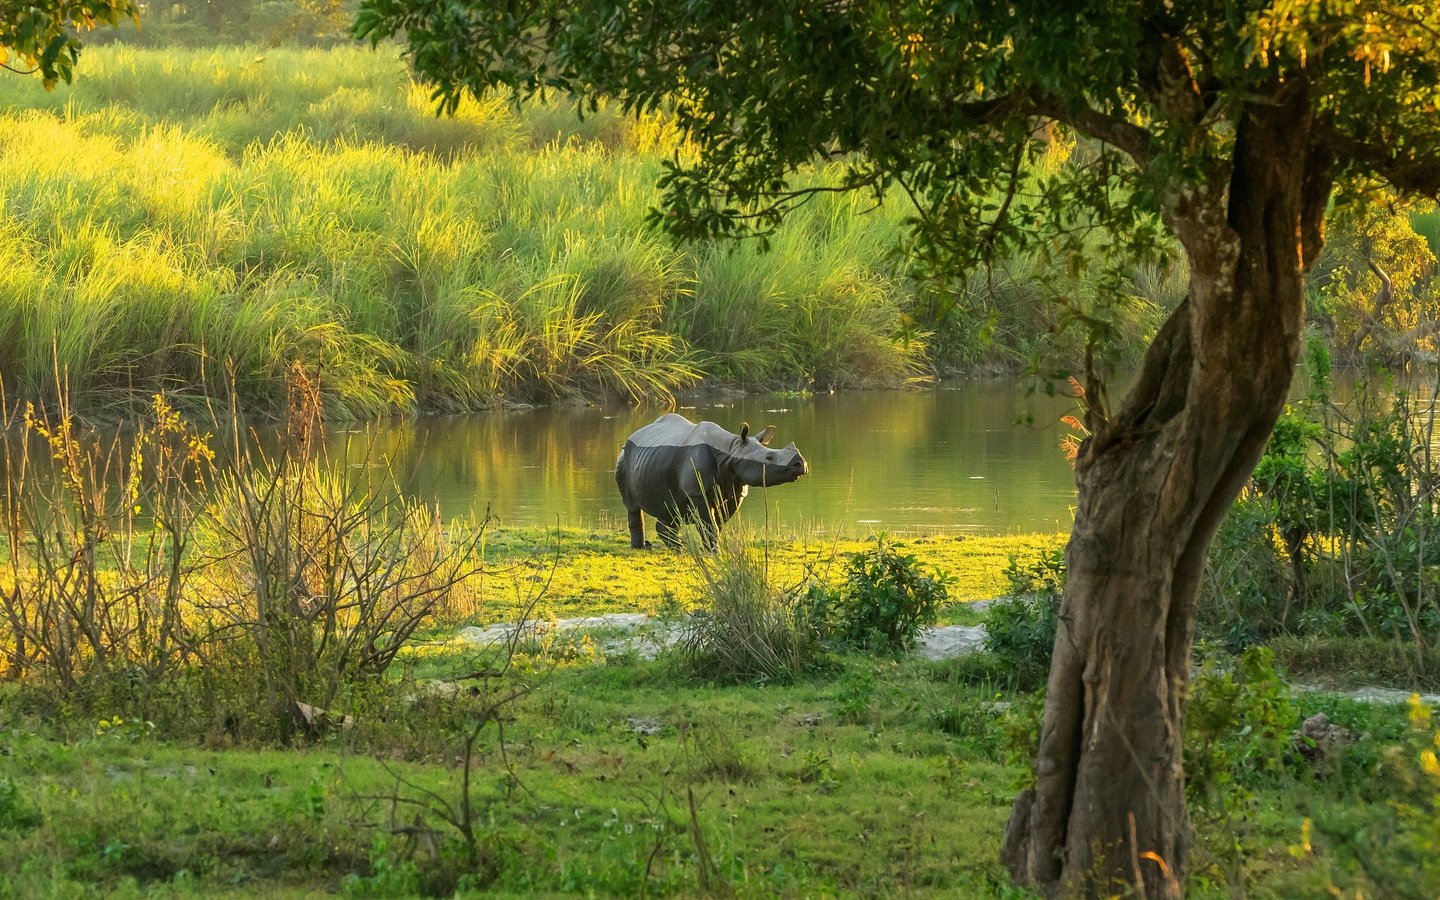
(187, 218)
(184, 218)
(576, 573)
(583, 573)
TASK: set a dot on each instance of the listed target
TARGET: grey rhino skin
(678, 471)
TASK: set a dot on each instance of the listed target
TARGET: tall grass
(188, 220)
(1427, 224)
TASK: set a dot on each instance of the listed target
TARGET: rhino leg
(710, 513)
(709, 525)
(637, 529)
(669, 532)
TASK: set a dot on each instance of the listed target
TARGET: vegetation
(616, 777)
(1330, 545)
(1229, 128)
(203, 23)
(254, 679)
(749, 627)
(884, 601)
(41, 37)
(1020, 626)
(241, 212)
(256, 238)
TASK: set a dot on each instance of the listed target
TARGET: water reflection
(952, 459)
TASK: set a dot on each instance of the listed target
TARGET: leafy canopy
(943, 99)
(39, 36)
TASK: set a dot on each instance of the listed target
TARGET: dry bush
(138, 573)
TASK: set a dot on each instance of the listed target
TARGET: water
(955, 459)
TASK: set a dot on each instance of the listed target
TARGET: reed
(179, 220)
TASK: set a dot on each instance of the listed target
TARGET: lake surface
(952, 459)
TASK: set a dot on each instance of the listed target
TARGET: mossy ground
(585, 573)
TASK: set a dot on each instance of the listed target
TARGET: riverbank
(243, 215)
(584, 573)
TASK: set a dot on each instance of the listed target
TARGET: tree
(1230, 121)
(41, 34)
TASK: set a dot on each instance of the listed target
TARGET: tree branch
(1413, 173)
(1134, 141)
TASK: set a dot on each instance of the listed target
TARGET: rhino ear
(744, 431)
(766, 436)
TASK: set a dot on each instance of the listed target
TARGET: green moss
(587, 575)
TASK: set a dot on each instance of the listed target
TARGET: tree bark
(1155, 480)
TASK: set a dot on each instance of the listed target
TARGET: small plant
(885, 600)
(1020, 628)
(749, 628)
(818, 768)
(1238, 726)
(15, 813)
(856, 696)
(1394, 851)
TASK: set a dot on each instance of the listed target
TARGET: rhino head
(755, 464)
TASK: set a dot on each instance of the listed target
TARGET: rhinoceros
(678, 471)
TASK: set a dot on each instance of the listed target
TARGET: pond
(959, 458)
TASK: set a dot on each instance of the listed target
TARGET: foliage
(1333, 536)
(884, 600)
(1397, 851)
(42, 35)
(254, 211)
(326, 580)
(1020, 627)
(15, 813)
(1375, 284)
(747, 628)
(1237, 726)
(129, 585)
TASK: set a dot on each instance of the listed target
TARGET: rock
(314, 719)
(646, 725)
(1321, 743)
(646, 637)
(950, 641)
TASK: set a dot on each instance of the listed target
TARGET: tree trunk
(1155, 482)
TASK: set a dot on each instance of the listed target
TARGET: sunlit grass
(588, 575)
(181, 218)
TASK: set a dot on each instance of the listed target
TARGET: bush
(1237, 725)
(1020, 628)
(142, 578)
(885, 601)
(750, 629)
(1332, 536)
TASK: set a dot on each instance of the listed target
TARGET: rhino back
(674, 430)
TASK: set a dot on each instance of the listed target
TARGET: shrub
(1333, 534)
(141, 577)
(749, 628)
(322, 578)
(1020, 628)
(1237, 725)
(885, 600)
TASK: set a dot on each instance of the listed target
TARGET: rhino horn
(744, 431)
(766, 436)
